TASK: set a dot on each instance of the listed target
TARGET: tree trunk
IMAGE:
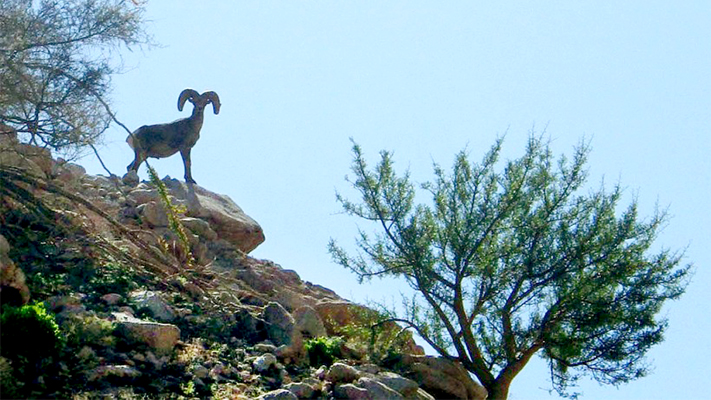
(498, 390)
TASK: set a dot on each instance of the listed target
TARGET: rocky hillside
(143, 290)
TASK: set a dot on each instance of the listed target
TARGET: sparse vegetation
(324, 350)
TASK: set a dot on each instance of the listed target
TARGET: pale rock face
(309, 323)
(153, 213)
(154, 303)
(111, 298)
(225, 217)
(351, 392)
(199, 227)
(279, 394)
(131, 178)
(443, 377)
(279, 324)
(209, 215)
(264, 362)
(301, 390)
(342, 373)
(404, 386)
(158, 336)
(378, 390)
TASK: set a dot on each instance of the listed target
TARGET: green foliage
(323, 350)
(29, 333)
(55, 66)
(90, 330)
(374, 333)
(29, 340)
(510, 262)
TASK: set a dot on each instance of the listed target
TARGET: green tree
(509, 263)
(55, 67)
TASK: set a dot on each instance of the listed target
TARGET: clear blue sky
(426, 79)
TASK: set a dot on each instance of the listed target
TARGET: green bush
(29, 333)
(29, 341)
(323, 350)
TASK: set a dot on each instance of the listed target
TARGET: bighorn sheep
(164, 140)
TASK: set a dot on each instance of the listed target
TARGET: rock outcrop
(230, 326)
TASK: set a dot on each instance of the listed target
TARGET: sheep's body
(164, 140)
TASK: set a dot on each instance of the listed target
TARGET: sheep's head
(200, 101)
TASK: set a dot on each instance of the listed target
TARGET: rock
(201, 372)
(157, 363)
(262, 348)
(279, 324)
(111, 299)
(378, 390)
(158, 336)
(59, 303)
(131, 178)
(320, 373)
(199, 227)
(342, 373)
(122, 373)
(67, 172)
(404, 386)
(442, 378)
(13, 287)
(309, 323)
(142, 195)
(153, 213)
(301, 390)
(264, 362)
(154, 303)
(351, 392)
(35, 160)
(248, 326)
(279, 394)
(225, 217)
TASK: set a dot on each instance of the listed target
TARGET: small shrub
(29, 341)
(29, 332)
(323, 350)
(88, 331)
(371, 333)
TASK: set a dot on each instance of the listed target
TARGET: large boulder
(159, 337)
(378, 390)
(341, 373)
(153, 302)
(280, 325)
(225, 217)
(442, 378)
(309, 323)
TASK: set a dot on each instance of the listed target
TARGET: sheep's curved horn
(214, 99)
(185, 95)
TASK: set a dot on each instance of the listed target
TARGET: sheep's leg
(137, 161)
(186, 163)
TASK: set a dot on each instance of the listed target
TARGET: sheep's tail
(129, 140)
